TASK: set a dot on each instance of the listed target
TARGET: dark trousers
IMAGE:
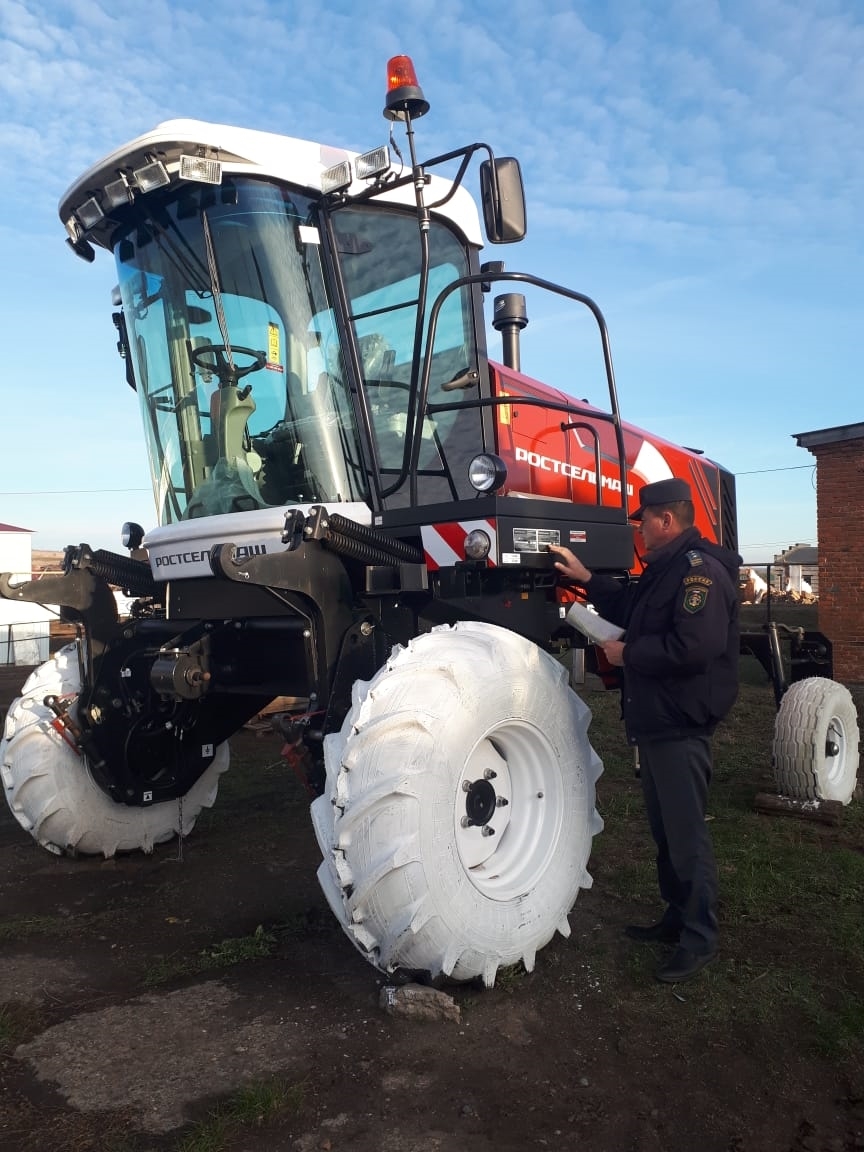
(675, 776)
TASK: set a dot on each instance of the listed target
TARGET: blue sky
(697, 167)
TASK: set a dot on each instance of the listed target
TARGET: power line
(76, 492)
(761, 471)
(777, 544)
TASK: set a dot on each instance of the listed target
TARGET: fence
(24, 642)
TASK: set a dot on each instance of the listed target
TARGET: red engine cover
(544, 460)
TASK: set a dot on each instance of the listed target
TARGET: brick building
(839, 456)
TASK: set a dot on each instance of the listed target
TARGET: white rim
(834, 762)
(505, 847)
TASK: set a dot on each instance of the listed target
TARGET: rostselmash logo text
(243, 552)
(570, 471)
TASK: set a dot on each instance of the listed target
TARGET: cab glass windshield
(235, 352)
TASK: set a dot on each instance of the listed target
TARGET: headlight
(477, 544)
(487, 472)
(131, 535)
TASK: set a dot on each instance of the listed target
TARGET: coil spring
(123, 572)
(358, 550)
(384, 545)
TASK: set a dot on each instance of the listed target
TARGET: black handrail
(414, 430)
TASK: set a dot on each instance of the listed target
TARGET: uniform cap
(661, 492)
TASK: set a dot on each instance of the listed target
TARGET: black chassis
(199, 657)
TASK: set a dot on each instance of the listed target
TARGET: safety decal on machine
(273, 348)
(444, 544)
(535, 539)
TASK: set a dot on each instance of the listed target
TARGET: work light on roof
(117, 192)
(336, 178)
(89, 213)
(373, 163)
(200, 169)
(152, 175)
(404, 97)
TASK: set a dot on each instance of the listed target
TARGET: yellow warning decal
(504, 411)
(273, 353)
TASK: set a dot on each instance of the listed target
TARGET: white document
(592, 625)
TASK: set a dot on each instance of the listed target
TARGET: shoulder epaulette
(694, 557)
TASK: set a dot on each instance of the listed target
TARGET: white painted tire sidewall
(814, 712)
(394, 868)
(52, 794)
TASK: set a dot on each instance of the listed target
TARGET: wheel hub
(481, 801)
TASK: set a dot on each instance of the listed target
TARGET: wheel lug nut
(488, 830)
(501, 802)
(489, 774)
(466, 785)
(466, 822)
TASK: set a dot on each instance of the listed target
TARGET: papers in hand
(590, 624)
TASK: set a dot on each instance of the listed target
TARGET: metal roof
(829, 435)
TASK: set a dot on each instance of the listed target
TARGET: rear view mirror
(503, 200)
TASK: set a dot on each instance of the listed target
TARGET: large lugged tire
(52, 794)
(465, 723)
(815, 753)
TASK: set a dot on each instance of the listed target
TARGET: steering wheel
(226, 372)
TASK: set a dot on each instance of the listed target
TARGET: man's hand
(570, 565)
(613, 650)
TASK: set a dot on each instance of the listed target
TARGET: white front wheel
(458, 812)
(54, 797)
(815, 751)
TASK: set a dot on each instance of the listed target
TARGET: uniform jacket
(681, 638)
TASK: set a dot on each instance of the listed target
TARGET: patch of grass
(306, 924)
(259, 945)
(78, 924)
(22, 927)
(768, 995)
(8, 1030)
(507, 979)
(235, 951)
(259, 792)
(791, 967)
(17, 1024)
(252, 1106)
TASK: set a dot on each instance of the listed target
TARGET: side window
(380, 257)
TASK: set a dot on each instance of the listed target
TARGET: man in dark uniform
(679, 656)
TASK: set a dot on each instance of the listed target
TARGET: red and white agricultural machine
(354, 504)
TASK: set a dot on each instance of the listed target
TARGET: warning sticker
(273, 348)
(535, 539)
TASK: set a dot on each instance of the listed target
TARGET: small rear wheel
(458, 810)
(52, 793)
(815, 751)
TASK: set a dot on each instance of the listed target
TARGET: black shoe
(659, 933)
(683, 965)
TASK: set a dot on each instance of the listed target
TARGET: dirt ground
(101, 1057)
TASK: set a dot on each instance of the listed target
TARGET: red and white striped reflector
(444, 544)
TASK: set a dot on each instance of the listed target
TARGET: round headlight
(131, 535)
(477, 544)
(487, 472)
